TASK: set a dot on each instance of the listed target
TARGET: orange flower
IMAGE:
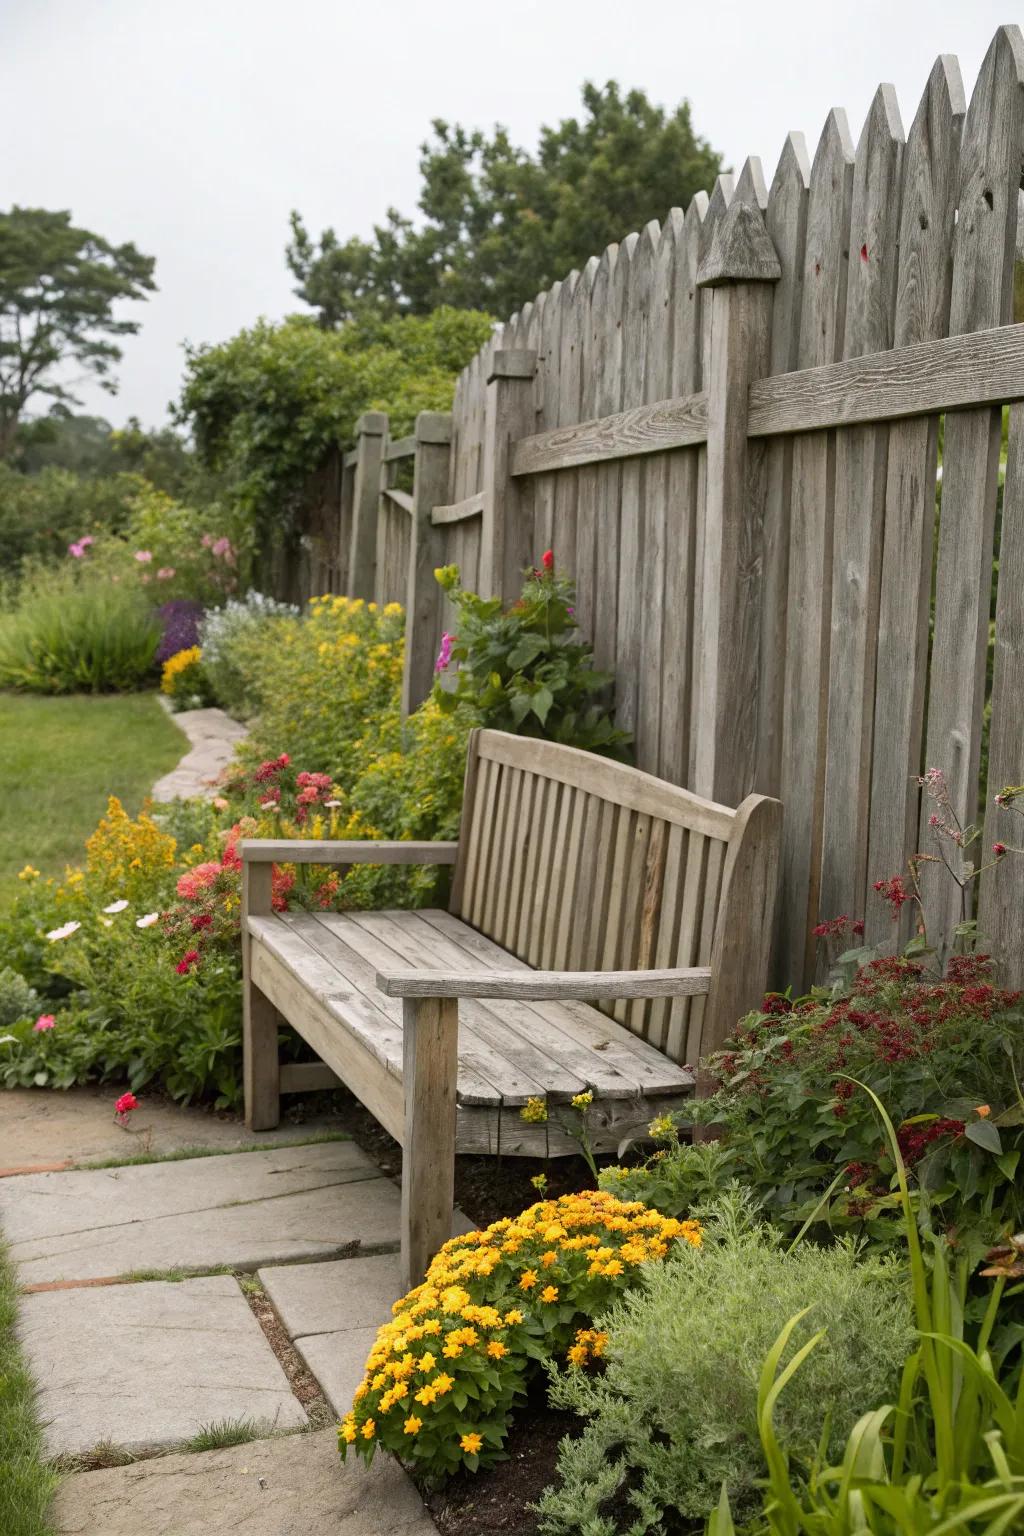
(413, 1425)
(496, 1349)
(528, 1279)
(471, 1443)
(983, 1110)
(549, 1293)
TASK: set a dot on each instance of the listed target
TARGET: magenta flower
(143, 556)
(444, 655)
(76, 551)
(45, 1021)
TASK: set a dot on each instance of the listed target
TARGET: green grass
(62, 757)
(185, 1154)
(224, 1432)
(26, 1485)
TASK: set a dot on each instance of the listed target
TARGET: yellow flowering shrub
(183, 680)
(125, 858)
(445, 1374)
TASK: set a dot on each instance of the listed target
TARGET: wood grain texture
(371, 433)
(260, 1069)
(927, 218)
(595, 341)
(609, 478)
(801, 769)
(1001, 910)
(861, 454)
(575, 301)
(508, 414)
(644, 429)
(456, 511)
(423, 596)
(546, 985)
(982, 296)
(268, 850)
(429, 1071)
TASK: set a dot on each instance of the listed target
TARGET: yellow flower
(471, 1443)
(534, 1111)
(550, 1293)
(577, 1355)
(528, 1279)
(427, 1362)
(582, 1101)
(347, 1432)
(513, 1317)
(496, 1349)
(426, 1395)
(28, 873)
(549, 1258)
(413, 1425)
(443, 1384)
(369, 1429)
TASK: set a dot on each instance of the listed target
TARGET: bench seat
(509, 1050)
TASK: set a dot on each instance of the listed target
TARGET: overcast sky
(193, 127)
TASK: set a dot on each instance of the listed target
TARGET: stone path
(130, 1357)
(212, 736)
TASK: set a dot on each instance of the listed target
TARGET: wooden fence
(727, 428)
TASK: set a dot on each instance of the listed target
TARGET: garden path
(213, 737)
(239, 1288)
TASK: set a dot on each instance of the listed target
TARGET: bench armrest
(584, 986)
(268, 850)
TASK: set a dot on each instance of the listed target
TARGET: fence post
(426, 552)
(509, 415)
(371, 436)
(739, 267)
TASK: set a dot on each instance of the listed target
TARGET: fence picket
(575, 302)
(631, 500)
(982, 296)
(859, 515)
(930, 173)
(594, 342)
(606, 586)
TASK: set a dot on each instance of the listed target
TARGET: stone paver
(38, 1125)
(338, 1361)
(242, 1209)
(332, 1297)
(146, 1366)
(291, 1486)
(212, 736)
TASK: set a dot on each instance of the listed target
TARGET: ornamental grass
(445, 1374)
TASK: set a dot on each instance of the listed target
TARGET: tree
(500, 224)
(58, 288)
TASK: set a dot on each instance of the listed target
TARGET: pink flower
(223, 551)
(196, 880)
(84, 543)
(76, 551)
(125, 1104)
(165, 573)
(44, 1021)
(143, 556)
(444, 655)
(206, 540)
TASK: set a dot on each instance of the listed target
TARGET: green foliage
(69, 634)
(267, 406)
(676, 1413)
(497, 224)
(59, 286)
(944, 1055)
(89, 446)
(18, 1001)
(525, 669)
(946, 1455)
(229, 638)
(27, 1483)
(40, 515)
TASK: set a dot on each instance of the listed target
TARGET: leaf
(984, 1134)
(541, 703)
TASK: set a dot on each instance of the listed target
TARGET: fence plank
(426, 552)
(1001, 914)
(371, 436)
(606, 585)
(786, 223)
(990, 166)
(575, 304)
(549, 363)
(859, 515)
(631, 497)
(930, 174)
(681, 501)
(822, 318)
(585, 564)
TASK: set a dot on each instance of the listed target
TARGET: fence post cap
(513, 363)
(740, 251)
(372, 424)
(434, 427)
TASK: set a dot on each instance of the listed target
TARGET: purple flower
(180, 619)
(444, 655)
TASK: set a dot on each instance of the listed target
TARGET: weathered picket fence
(727, 429)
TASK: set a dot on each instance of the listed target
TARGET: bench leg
(430, 1078)
(262, 1071)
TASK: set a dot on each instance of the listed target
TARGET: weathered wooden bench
(605, 930)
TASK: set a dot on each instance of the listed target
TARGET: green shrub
(18, 1001)
(41, 515)
(942, 1054)
(674, 1416)
(69, 634)
(230, 637)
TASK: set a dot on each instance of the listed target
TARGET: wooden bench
(605, 930)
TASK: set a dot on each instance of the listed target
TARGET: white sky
(193, 126)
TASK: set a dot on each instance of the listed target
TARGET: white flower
(147, 921)
(116, 906)
(108, 922)
(332, 805)
(63, 933)
(8, 1040)
(268, 805)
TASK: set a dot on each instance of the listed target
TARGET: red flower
(125, 1104)
(202, 920)
(187, 961)
(998, 849)
(547, 560)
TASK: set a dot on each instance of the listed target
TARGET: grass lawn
(26, 1485)
(59, 760)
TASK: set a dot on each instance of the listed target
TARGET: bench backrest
(574, 862)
